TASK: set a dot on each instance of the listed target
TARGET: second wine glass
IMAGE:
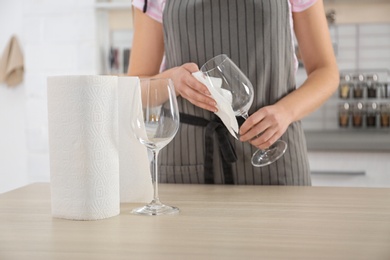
(155, 123)
(242, 93)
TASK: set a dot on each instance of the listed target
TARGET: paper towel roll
(134, 166)
(95, 160)
(83, 142)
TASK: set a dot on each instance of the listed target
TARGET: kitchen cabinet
(359, 11)
(114, 35)
(350, 168)
(360, 49)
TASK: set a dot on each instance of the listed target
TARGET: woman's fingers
(199, 99)
(265, 139)
(191, 89)
(259, 135)
(252, 126)
(196, 85)
(264, 127)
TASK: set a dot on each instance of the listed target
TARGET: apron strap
(145, 6)
(226, 148)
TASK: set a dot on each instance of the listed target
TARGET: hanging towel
(12, 64)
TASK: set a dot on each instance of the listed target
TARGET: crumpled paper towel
(223, 98)
(88, 148)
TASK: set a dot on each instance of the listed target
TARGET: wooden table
(215, 222)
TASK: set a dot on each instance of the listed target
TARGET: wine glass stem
(155, 176)
(245, 115)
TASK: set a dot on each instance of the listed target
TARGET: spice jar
(385, 90)
(372, 86)
(357, 115)
(359, 87)
(345, 87)
(344, 115)
(371, 113)
(385, 114)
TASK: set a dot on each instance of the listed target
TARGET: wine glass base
(156, 209)
(265, 157)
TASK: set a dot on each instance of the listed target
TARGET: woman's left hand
(265, 126)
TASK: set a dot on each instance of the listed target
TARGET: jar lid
(344, 106)
(358, 106)
(372, 77)
(372, 106)
(385, 106)
(347, 77)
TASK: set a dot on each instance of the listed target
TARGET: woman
(173, 38)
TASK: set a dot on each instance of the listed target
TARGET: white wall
(58, 37)
(13, 150)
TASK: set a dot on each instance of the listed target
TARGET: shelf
(113, 6)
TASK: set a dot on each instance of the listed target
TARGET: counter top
(215, 222)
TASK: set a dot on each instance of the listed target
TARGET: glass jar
(344, 115)
(372, 86)
(345, 87)
(358, 90)
(385, 90)
(357, 115)
(371, 114)
(385, 114)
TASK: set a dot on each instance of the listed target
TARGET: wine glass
(156, 121)
(241, 89)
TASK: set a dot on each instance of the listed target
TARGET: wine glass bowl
(241, 93)
(155, 124)
(233, 80)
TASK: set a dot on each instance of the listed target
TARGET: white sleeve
(154, 8)
(301, 5)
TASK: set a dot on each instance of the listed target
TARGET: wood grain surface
(215, 222)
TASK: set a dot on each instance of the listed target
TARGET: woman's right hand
(146, 57)
(190, 88)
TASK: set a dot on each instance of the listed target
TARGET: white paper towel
(224, 99)
(135, 179)
(87, 147)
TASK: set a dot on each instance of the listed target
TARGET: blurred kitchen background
(348, 138)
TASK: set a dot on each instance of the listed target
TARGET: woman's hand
(190, 88)
(265, 126)
(146, 57)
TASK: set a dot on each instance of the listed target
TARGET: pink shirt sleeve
(154, 10)
(301, 5)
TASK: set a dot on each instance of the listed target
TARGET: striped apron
(256, 35)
